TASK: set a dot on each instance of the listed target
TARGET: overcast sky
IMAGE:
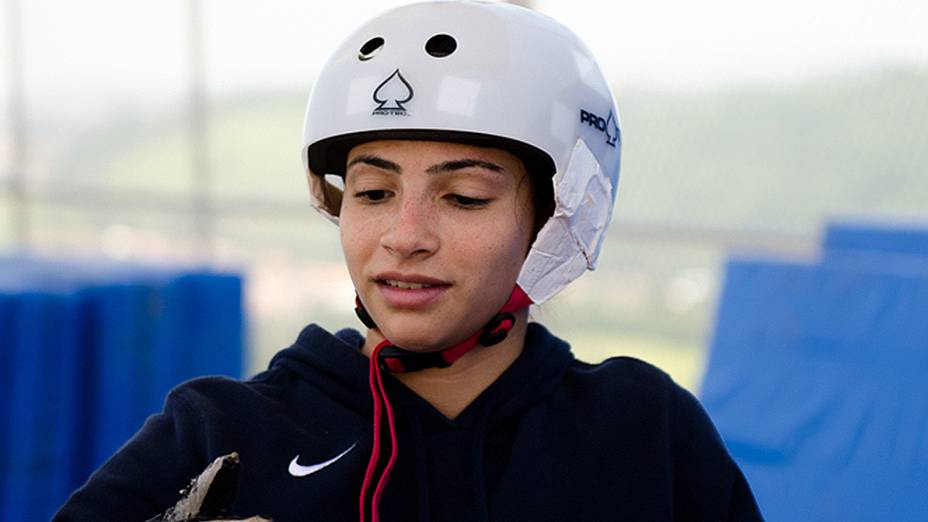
(114, 48)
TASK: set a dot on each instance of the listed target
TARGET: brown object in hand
(209, 495)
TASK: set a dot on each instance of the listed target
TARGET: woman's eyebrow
(445, 166)
(375, 161)
(453, 165)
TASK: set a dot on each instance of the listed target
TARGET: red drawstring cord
(381, 401)
(517, 300)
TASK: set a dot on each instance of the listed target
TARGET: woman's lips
(410, 290)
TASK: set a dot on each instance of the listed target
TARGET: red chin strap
(387, 356)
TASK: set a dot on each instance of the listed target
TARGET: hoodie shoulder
(640, 406)
(316, 365)
(624, 377)
(212, 394)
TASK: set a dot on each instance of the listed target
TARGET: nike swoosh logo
(301, 471)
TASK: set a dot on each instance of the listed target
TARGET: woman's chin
(420, 338)
(416, 343)
(428, 331)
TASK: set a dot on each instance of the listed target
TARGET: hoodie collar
(335, 364)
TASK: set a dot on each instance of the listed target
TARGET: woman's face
(434, 235)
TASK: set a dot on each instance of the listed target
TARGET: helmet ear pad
(330, 157)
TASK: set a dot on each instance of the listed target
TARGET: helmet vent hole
(441, 45)
(370, 48)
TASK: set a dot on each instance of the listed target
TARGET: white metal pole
(199, 134)
(19, 155)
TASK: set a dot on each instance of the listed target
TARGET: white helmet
(485, 73)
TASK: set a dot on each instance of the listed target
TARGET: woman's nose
(412, 230)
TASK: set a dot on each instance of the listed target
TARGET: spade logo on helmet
(612, 130)
(607, 125)
(391, 94)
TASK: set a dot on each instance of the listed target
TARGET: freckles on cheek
(505, 256)
(352, 242)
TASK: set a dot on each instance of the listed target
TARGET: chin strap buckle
(397, 360)
(497, 329)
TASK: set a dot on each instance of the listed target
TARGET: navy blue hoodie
(553, 439)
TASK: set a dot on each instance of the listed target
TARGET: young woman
(469, 153)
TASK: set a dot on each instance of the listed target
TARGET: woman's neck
(450, 390)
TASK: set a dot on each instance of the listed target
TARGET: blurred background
(168, 134)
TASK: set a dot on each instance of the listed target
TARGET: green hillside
(779, 158)
(775, 158)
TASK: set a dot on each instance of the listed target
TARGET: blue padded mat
(816, 381)
(124, 324)
(41, 450)
(88, 351)
(884, 238)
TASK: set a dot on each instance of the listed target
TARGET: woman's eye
(371, 195)
(467, 202)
